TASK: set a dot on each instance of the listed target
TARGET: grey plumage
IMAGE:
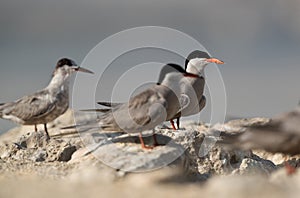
(41, 107)
(46, 105)
(191, 88)
(143, 111)
(168, 68)
(194, 88)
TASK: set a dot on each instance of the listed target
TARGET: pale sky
(258, 40)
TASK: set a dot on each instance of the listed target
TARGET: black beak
(81, 69)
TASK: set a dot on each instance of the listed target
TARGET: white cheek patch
(198, 62)
(196, 66)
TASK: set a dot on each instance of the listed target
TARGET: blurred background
(259, 40)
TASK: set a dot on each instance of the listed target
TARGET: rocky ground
(189, 163)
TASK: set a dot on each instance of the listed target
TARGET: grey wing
(184, 101)
(123, 119)
(144, 111)
(148, 105)
(30, 107)
(158, 112)
(202, 103)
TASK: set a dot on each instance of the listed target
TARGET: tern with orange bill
(191, 88)
(145, 110)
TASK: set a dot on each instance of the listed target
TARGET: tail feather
(96, 110)
(109, 104)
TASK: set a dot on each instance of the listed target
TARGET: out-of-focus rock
(239, 125)
(243, 186)
(278, 158)
(39, 155)
(205, 157)
(35, 147)
(71, 117)
(248, 122)
(188, 163)
(255, 166)
(128, 156)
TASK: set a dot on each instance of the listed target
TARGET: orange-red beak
(214, 60)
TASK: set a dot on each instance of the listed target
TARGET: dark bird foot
(47, 137)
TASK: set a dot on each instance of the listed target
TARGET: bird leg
(289, 168)
(178, 123)
(143, 143)
(46, 132)
(155, 142)
(35, 128)
(172, 123)
(154, 139)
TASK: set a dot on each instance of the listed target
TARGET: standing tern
(46, 105)
(191, 88)
(147, 109)
(170, 67)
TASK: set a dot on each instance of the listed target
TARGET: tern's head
(67, 66)
(198, 60)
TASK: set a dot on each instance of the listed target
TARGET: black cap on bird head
(65, 61)
(196, 54)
